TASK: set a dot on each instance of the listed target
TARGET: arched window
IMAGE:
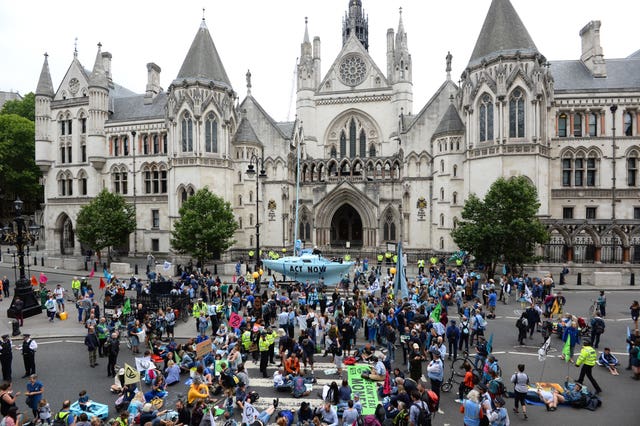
(211, 134)
(628, 123)
(516, 114)
(592, 170)
(441, 243)
(562, 125)
(145, 144)
(155, 179)
(352, 138)
(240, 200)
(250, 240)
(333, 153)
(116, 147)
(187, 133)
(441, 220)
(389, 228)
(156, 144)
(363, 144)
(240, 222)
(577, 125)
(441, 166)
(372, 150)
(183, 195)
(250, 219)
(69, 184)
(125, 145)
(251, 196)
(455, 170)
(120, 184)
(486, 118)
(442, 194)
(632, 169)
(578, 171)
(567, 171)
(454, 198)
(239, 177)
(343, 145)
(593, 124)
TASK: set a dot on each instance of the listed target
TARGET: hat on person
(147, 408)
(26, 335)
(436, 352)
(416, 346)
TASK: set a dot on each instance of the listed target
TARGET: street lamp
(254, 163)
(21, 237)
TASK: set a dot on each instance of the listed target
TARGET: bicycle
(593, 309)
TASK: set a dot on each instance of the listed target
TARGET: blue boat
(94, 409)
(311, 267)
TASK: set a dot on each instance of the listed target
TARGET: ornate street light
(254, 163)
(21, 237)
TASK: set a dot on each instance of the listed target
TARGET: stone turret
(44, 95)
(98, 112)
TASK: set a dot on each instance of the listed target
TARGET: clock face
(74, 85)
(353, 70)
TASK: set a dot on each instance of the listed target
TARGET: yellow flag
(555, 308)
(131, 375)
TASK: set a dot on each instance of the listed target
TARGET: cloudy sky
(264, 36)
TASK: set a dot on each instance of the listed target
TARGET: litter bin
(15, 326)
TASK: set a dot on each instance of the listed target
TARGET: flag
(106, 274)
(131, 375)
(126, 308)
(566, 351)
(375, 286)
(628, 339)
(542, 352)
(43, 278)
(166, 266)
(92, 273)
(555, 308)
(490, 343)
(400, 283)
(435, 314)
(34, 281)
(102, 283)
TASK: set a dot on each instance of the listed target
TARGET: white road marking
(52, 341)
(74, 341)
(523, 353)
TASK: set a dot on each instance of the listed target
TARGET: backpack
(424, 417)
(59, 420)
(598, 327)
(402, 419)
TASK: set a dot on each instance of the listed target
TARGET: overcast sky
(265, 35)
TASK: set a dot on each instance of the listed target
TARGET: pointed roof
(45, 85)
(503, 33)
(98, 75)
(202, 61)
(450, 123)
(245, 133)
(306, 31)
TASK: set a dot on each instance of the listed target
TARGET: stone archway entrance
(346, 226)
(67, 235)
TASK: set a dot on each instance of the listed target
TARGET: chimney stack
(106, 64)
(592, 56)
(153, 82)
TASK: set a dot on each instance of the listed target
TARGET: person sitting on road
(572, 393)
(607, 359)
(299, 387)
(379, 371)
(366, 353)
(292, 365)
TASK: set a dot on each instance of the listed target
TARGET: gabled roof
(411, 120)
(450, 123)
(245, 133)
(202, 61)
(622, 74)
(285, 129)
(45, 85)
(503, 33)
(133, 108)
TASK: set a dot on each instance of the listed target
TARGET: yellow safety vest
(380, 257)
(270, 338)
(588, 356)
(263, 344)
(246, 340)
(75, 284)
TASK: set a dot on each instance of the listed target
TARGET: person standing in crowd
(263, 347)
(587, 359)
(464, 333)
(453, 335)
(59, 294)
(51, 307)
(112, 349)
(415, 363)
(6, 357)
(29, 347)
(18, 306)
(520, 380)
(597, 328)
(522, 324)
(472, 409)
(5, 286)
(91, 342)
(602, 304)
(75, 287)
(34, 392)
(435, 371)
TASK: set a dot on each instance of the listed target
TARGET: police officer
(29, 347)
(246, 340)
(263, 347)
(421, 266)
(6, 357)
(587, 359)
(272, 335)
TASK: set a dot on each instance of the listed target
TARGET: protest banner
(203, 348)
(367, 389)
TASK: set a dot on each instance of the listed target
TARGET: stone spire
(98, 76)
(202, 61)
(357, 23)
(45, 85)
(503, 33)
(305, 47)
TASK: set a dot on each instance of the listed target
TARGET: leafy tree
(502, 228)
(19, 175)
(206, 226)
(25, 107)
(105, 222)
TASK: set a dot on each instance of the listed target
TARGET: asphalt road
(63, 367)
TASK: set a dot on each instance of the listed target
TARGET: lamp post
(254, 163)
(21, 237)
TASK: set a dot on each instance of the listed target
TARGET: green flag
(435, 314)
(566, 351)
(126, 308)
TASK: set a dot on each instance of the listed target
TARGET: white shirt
(59, 292)
(250, 413)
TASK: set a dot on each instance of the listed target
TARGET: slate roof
(202, 61)
(570, 76)
(134, 108)
(450, 123)
(503, 33)
(634, 55)
(286, 127)
(45, 85)
(245, 133)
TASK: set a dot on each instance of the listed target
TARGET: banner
(367, 389)
(235, 320)
(143, 363)
(130, 375)
(203, 348)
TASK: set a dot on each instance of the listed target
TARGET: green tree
(502, 228)
(105, 222)
(206, 226)
(25, 107)
(19, 175)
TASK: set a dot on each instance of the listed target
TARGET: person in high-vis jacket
(587, 359)
(263, 347)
